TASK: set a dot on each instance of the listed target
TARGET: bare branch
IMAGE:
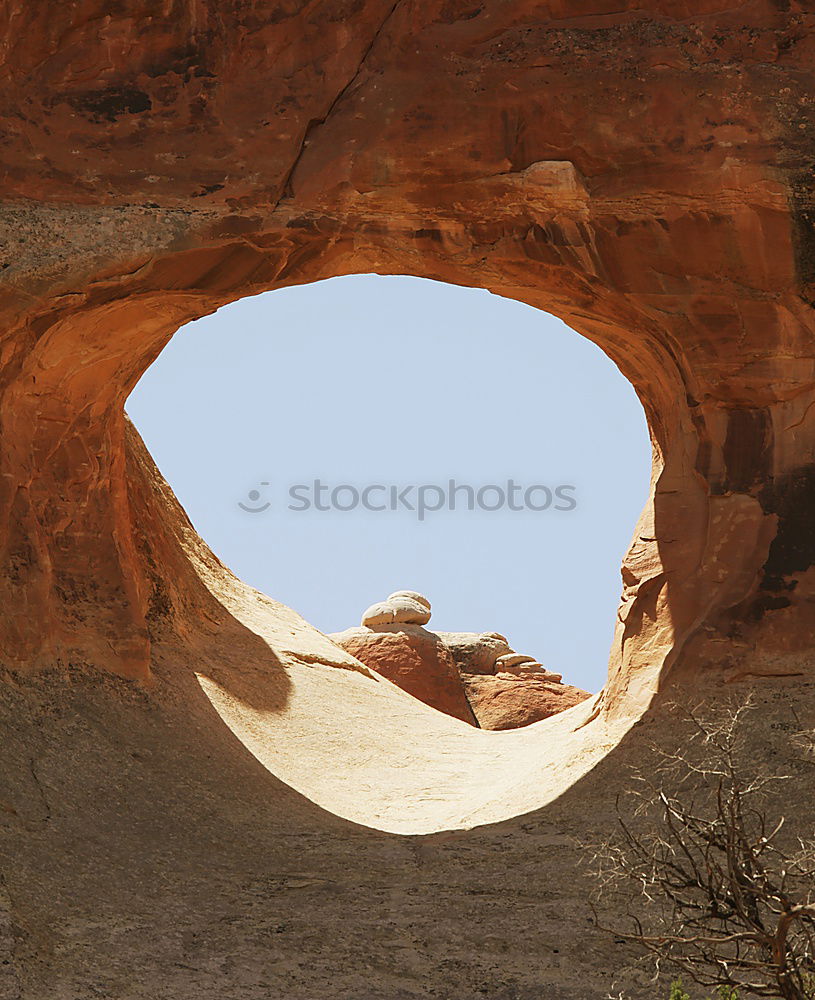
(722, 898)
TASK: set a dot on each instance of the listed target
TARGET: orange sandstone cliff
(201, 796)
(644, 172)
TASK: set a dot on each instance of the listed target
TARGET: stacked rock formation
(476, 677)
(405, 606)
(392, 641)
(506, 689)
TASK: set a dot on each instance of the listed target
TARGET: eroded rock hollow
(201, 795)
(643, 172)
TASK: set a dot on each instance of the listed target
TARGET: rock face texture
(414, 659)
(509, 702)
(475, 652)
(644, 171)
(641, 168)
(146, 854)
(505, 689)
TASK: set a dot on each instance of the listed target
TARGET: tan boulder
(475, 652)
(414, 659)
(402, 607)
(412, 595)
(510, 702)
(512, 659)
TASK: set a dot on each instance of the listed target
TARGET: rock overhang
(642, 173)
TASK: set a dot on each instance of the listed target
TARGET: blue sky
(398, 381)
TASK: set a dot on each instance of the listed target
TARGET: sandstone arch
(644, 171)
(643, 175)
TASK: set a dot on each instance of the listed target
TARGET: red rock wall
(643, 171)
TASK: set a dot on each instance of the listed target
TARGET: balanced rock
(474, 676)
(402, 607)
(412, 595)
(414, 659)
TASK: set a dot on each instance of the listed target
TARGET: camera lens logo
(256, 501)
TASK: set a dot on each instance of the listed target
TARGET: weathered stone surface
(414, 659)
(641, 169)
(475, 652)
(141, 826)
(644, 172)
(512, 660)
(536, 670)
(411, 595)
(405, 606)
(509, 702)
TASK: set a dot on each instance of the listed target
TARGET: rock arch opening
(680, 246)
(642, 171)
(712, 550)
(715, 562)
(457, 405)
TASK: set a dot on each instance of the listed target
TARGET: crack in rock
(286, 188)
(41, 790)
